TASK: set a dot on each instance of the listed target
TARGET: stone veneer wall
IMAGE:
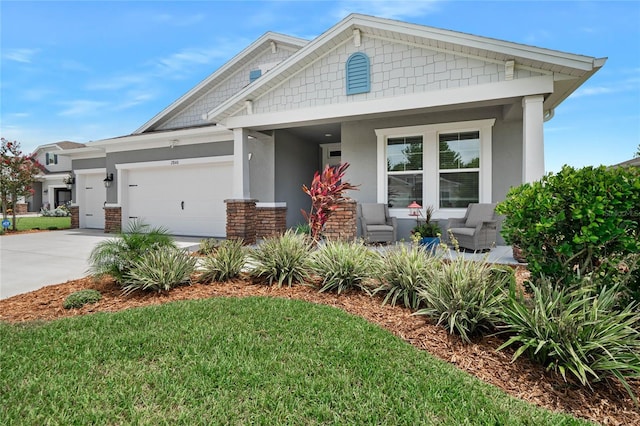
(112, 219)
(241, 220)
(21, 208)
(270, 221)
(75, 217)
(342, 223)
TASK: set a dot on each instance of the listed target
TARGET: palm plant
(115, 257)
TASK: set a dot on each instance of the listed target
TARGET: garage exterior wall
(213, 149)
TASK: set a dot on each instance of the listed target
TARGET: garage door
(187, 200)
(94, 197)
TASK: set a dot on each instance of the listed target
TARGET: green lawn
(237, 361)
(40, 222)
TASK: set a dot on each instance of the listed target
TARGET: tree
(17, 173)
(637, 154)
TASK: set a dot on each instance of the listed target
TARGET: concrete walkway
(31, 261)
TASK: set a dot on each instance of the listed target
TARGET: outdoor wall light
(108, 180)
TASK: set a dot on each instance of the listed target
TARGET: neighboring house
(50, 190)
(421, 114)
(634, 162)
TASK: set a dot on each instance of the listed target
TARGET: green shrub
(576, 222)
(160, 269)
(303, 228)
(576, 330)
(345, 265)
(225, 263)
(81, 297)
(282, 258)
(465, 295)
(403, 274)
(115, 256)
(209, 246)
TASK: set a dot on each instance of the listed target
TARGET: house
(50, 189)
(634, 162)
(421, 114)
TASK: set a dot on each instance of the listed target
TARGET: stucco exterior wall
(360, 150)
(296, 162)
(192, 116)
(262, 170)
(396, 69)
(90, 163)
(178, 152)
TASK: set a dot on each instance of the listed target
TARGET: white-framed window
(404, 170)
(455, 168)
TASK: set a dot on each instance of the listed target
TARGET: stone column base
(75, 217)
(342, 224)
(241, 220)
(112, 220)
(271, 219)
(21, 208)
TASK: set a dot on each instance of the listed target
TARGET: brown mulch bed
(606, 403)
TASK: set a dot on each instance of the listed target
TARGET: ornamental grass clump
(464, 295)
(576, 330)
(225, 263)
(160, 270)
(116, 256)
(403, 274)
(345, 265)
(282, 259)
(82, 297)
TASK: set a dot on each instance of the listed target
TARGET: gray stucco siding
(296, 161)
(179, 152)
(89, 163)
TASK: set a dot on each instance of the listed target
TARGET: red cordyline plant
(326, 192)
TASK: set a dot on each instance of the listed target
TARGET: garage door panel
(187, 200)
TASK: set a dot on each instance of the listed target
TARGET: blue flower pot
(430, 243)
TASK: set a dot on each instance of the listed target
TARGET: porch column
(241, 180)
(532, 138)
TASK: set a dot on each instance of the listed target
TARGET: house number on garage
(175, 162)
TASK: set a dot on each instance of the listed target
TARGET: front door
(62, 197)
(331, 154)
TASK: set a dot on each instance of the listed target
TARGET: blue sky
(85, 71)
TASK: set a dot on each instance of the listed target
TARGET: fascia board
(462, 95)
(580, 62)
(221, 72)
(162, 139)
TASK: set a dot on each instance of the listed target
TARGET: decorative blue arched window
(358, 74)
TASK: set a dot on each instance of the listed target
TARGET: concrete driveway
(31, 261)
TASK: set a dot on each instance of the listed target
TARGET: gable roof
(576, 68)
(62, 145)
(218, 76)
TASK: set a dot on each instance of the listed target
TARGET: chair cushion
(463, 231)
(379, 228)
(478, 213)
(374, 214)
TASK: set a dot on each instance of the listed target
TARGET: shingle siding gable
(192, 115)
(396, 69)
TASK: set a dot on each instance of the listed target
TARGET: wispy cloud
(134, 99)
(179, 63)
(393, 9)
(81, 107)
(24, 56)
